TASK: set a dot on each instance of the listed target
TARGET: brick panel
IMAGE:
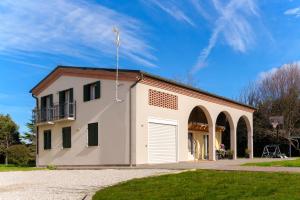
(162, 99)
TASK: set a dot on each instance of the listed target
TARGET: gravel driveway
(64, 184)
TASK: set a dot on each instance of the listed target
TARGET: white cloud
(293, 11)
(71, 28)
(273, 70)
(174, 10)
(233, 25)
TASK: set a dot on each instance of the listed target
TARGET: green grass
(282, 163)
(4, 168)
(206, 184)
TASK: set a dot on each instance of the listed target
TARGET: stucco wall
(185, 106)
(113, 123)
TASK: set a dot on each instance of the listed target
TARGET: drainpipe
(130, 117)
(37, 133)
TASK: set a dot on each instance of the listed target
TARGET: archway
(224, 134)
(199, 125)
(243, 134)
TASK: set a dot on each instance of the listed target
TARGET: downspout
(130, 116)
(37, 135)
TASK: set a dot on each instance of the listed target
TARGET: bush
(230, 154)
(51, 167)
(18, 155)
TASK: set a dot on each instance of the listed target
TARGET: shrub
(230, 153)
(51, 167)
(247, 153)
(18, 155)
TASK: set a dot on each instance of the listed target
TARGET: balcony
(56, 113)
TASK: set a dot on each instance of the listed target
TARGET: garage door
(162, 143)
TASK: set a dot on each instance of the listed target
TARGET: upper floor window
(91, 91)
(66, 103)
(46, 108)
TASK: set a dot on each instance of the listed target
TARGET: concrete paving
(231, 165)
(64, 184)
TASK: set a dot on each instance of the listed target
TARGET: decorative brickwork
(162, 99)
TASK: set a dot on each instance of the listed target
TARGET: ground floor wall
(144, 111)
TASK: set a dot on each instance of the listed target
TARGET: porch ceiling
(197, 126)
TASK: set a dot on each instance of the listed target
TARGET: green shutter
(86, 93)
(47, 139)
(62, 97)
(93, 134)
(66, 137)
(71, 105)
(71, 95)
(97, 90)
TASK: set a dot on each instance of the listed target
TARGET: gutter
(36, 136)
(130, 117)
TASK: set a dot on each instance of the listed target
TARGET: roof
(144, 74)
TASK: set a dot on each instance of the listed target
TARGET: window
(46, 108)
(47, 139)
(66, 105)
(91, 91)
(93, 134)
(66, 137)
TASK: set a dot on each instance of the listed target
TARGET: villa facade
(155, 120)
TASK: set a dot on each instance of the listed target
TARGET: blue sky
(224, 44)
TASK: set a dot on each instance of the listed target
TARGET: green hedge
(19, 155)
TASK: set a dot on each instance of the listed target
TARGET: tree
(277, 93)
(29, 137)
(9, 134)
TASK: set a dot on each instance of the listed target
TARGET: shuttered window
(66, 103)
(47, 139)
(93, 134)
(92, 91)
(66, 137)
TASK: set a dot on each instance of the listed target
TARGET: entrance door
(162, 142)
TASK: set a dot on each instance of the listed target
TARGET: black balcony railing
(56, 112)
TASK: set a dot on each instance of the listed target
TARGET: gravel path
(64, 184)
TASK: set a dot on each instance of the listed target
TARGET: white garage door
(162, 143)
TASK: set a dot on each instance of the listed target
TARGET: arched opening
(199, 123)
(243, 131)
(224, 131)
(222, 135)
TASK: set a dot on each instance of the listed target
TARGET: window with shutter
(66, 137)
(91, 91)
(47, 139)
(93, 134)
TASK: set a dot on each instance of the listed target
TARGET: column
(212, 142)
(233, 145)
(250, 141)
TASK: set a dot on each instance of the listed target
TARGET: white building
(158, 121)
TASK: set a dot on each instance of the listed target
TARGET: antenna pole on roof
(117, 42)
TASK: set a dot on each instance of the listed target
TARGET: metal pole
(117, 70)
(117, 32)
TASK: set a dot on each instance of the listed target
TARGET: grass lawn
(4, 168)
(208, 184)
(282, 163)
